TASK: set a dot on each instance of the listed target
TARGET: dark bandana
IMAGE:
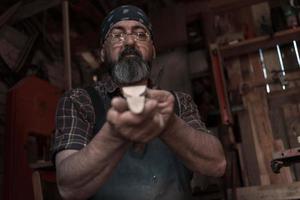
(126, 12)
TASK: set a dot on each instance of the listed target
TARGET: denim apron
(155, 173)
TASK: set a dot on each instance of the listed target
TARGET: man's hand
(143, 127)
(165, 103)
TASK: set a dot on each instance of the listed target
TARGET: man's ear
(102, 55)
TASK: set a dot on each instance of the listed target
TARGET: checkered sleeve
(188, 111)
(74, 121)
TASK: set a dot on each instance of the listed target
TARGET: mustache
(130, 50)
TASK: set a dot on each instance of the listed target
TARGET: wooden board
(263, 135)
(256, 68)
(245, 69)
(272, 63)
(291, 113)
(250, 164)
(268, 192)
(233, 69)
(284, 114)
(285, 172)
(261, 11)
(260, 153)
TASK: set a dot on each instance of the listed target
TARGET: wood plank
(251, 166)
(272, 65)
(285, 172)
(256, 68)
(241, 155)
(258, 12)
(263, 175)
(5, 17)
(11, 44)
(291, 111)
(255, 101)
(37, 186)
(252, 45)
(291, 115)
(293, 79)
(229, 5)
(277, 119)
(66, 45)
(276, 100)
(268, 192)
(233, 68)
(221, 85)
(33, 8)
(258, 109)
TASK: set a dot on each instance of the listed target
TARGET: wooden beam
(37, 186)
(195, 9)
(24, 53)
(86, 9)
(227, 5)
(33, 8)
(67, 52)
(264, 42)
(104, 6)
(268, 192)
(248, 150)
(5, 17)
(86, 42)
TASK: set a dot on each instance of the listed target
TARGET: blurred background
(238, 59)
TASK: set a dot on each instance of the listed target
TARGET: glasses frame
(124, 36)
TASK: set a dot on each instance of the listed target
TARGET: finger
(165, 100)
(148, 130)
(119, 104)
(158, 118)
(134, 119)
(113, 116)
(150, 108)
(166, 104)
(159, 95)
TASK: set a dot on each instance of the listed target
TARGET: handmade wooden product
(135, 97)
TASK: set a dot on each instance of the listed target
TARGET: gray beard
(130, 70)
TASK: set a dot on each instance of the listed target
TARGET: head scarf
(126, 12)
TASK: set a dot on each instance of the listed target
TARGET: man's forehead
(128, 24)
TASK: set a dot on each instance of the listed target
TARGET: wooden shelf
(264, 42)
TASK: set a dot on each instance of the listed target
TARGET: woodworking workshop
(149, 100)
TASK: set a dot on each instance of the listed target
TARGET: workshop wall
(3, 91)
(170, 70)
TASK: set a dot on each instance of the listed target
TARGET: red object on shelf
(220, 85)
(31, 106)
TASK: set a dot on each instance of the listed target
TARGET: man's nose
(129, 39)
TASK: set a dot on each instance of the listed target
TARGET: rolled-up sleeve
(188, 111)
(74, 121)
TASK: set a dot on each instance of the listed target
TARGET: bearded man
(103, 150)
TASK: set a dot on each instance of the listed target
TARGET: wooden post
(220, 85)
(37, 186)
(67, 52)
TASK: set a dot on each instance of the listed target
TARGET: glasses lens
(141, 36)
(119, 37)
(116, 37)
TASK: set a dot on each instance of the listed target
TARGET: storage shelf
(264, 42)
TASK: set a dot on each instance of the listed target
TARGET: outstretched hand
(143, 127)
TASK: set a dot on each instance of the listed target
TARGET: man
(130, 156)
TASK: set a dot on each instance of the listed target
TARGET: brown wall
(3, 91)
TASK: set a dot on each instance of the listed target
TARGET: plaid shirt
(75, 117)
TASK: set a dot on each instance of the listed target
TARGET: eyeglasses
(122, 36)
